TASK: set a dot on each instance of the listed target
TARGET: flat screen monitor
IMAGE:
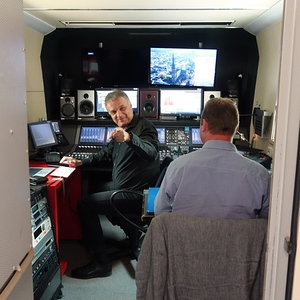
(181, 102)
(183, 67)
(195, 137)
(161, 135)
(92, 135)
(101, 93)
(42, 134)
(119, 67)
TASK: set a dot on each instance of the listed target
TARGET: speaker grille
(149, 104)
(86, 103)
(67, 107)
(86, 107)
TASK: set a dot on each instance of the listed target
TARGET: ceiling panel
(153, 4)
(156, 13)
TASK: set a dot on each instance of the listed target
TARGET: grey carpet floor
(120, 285)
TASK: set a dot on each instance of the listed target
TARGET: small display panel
(108, 132)
(42, 134)
(161, 135)
(181, 102)
(101, 93)
(196, 140)
(92, 135)
(56, 126)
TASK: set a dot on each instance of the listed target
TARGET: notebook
(40, 171)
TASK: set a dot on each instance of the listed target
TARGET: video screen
(183, 67)
(107, 67)
(180, 102)
(92, 135)
(101, 93)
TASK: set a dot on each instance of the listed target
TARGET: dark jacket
(136, 163)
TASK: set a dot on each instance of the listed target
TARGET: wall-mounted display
(183, 67)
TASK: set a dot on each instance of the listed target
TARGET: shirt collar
(218, 144)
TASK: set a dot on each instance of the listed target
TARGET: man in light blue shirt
(216, 181)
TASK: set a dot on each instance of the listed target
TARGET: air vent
(149, 24)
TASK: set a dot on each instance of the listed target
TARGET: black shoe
(135, 252)
(135, 249)
(92, 270)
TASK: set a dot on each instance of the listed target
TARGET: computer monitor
(181, 102)
(101, 93)
(92, 135)
(42, 134)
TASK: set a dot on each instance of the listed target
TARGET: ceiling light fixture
(149, 24)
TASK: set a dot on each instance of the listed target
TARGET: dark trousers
(93, 205)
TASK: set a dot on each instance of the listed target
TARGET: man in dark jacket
(133, 150)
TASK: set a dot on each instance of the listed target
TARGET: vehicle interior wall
(237, 55)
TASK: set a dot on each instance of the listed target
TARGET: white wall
(269, 45)
(36, 107)
(285, 154)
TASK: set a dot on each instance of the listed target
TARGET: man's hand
(120, 135)
(70, 161)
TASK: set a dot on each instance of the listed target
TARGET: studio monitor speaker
(210, 95)
(85, 104)
(67, 107)
(233, 87)
(65, 86)
(149, 104)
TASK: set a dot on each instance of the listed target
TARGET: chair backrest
(184, 257)
(140, 220)
(163, 168)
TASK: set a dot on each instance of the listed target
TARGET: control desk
(174, 142)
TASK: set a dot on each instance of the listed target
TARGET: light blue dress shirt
(215, 182)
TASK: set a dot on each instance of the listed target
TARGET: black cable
(118, 211)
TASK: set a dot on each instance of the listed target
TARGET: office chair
(185, 257)
(133, 219)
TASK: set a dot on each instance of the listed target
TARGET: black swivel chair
(133, 219)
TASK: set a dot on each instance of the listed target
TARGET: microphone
(243, 138)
